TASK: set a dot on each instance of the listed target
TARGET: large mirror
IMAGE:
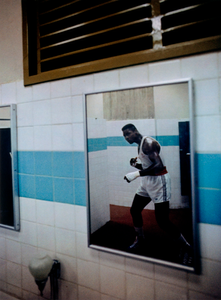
(9, 203)
(141, 177)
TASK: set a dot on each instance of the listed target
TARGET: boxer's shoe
(186, 255)
(138, 243)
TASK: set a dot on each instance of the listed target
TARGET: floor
(118, 233)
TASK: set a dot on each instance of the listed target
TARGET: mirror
(163, 113)
(9, 203)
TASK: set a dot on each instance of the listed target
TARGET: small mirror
(9, 203)
(163, 113)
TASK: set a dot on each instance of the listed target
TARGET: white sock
(182, 240)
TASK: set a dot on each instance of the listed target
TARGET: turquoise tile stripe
(209, 170)
(60, 177)
(99, 144)
(209, 206)
(208, 173)
(52, 176)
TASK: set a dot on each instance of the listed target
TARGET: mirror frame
(14, 169)
(196, 266)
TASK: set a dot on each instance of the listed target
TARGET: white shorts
(158, 188)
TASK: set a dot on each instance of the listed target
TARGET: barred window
(64, 38)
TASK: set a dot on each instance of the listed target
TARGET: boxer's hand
(133, 161)
(131, 176)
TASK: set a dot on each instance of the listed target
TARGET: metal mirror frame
(14, 168)
(196, 266)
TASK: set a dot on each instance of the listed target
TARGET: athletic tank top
(146, 162)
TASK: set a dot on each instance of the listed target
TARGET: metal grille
(71, 37)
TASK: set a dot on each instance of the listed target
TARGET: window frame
(158, 53)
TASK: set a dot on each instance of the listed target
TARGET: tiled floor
(4, 296)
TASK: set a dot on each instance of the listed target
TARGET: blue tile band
(52, 176)
(99, 144)
(60, 177)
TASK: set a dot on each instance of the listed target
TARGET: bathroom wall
(52, 180)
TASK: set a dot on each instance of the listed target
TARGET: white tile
(14, 290)
(64, 216)
(46, 237)
(4, 296)
(210, 241)
(113, 282)
(61, 88)
(167, 127)
(25, 138)
(28, 209)
(9, 93)
(13, 235)
(78, 137)
(82, 249)
(111, 260)
(107, 297)
(24, 93)
(28, 233)
(208, 131)
(139, 288)
(14, 274)
(209, 280)
(42, 112)
(3, 284)
(45, 212)
(29, 295)
(169, 275)
(2, 248)
(68, 268)
(62, 137)
(167, 291)
(0, 94)
(164, 71)
(77, 109)
(41, 91)
(65, 242)
(140, 268)
(88, 274)
(134, 76)
(13, 250)
(68, 291)
(105, 81)
(87, 294)
(27, 253)
(219, 63)
(62, 111)
(3, 265)
(206, 97)
(25, 114)
(80, 218)
(200, 66)
(199, 296)
(82, 84)
(28, 282)
(42, 138)
(44, 252)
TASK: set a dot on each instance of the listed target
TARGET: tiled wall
(52, 195)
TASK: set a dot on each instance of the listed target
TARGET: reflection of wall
(171, 103)
(162, 112)
(99, 200)
(129, 104)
